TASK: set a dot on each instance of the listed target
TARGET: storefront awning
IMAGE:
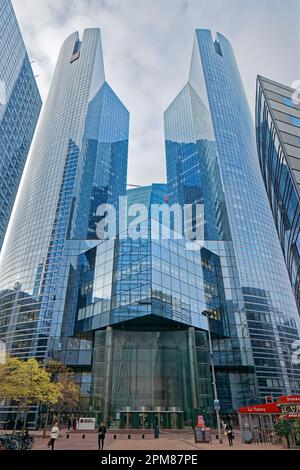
(260, 409)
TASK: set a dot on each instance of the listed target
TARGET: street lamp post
(216, 400)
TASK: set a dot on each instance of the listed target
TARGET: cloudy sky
(147, 49)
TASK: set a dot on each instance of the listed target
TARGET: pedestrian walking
(101, 436)
(54, 435)
(74, 424)
(229, 434)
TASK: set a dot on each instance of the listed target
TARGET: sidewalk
(180, 440)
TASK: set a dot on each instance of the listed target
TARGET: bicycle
(8, 442)
(17, 441)
(25, 442)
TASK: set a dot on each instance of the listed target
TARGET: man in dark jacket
(230, 436)
(101, 435)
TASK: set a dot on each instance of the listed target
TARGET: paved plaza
(167, 441)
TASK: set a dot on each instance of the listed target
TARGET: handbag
(225, 433)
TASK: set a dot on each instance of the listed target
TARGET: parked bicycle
(8, 442)
(25, 442)
(16, 441)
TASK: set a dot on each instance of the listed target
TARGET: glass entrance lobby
(143, 378)
(171, 419)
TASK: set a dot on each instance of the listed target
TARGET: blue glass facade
(20, 105)
(145, 301)
(212, 158)
(278, 143)
(104, 173)
(126, 279)
(78, 160)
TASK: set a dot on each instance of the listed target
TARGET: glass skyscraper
(278, 142)
(78, 161)
(20, 104)
(212, 159)
(130, 314)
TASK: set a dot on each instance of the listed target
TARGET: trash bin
(207, 435)
(198, 435)
(202, 435)
(247, 435)
(156, 432)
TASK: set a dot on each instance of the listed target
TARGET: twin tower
(131, 316)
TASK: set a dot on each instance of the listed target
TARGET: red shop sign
(258, 409)
(289, 399)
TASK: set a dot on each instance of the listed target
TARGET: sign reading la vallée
(256, 409)
(286, 404)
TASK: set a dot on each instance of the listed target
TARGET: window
(295, 121)
(76, 52)
(287, 101)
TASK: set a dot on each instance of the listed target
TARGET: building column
(108, 372)
(193, 366)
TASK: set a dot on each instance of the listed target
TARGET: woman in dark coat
(101, 435)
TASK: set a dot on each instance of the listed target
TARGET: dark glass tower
(20, 105)
(278, 143)
(212, 159)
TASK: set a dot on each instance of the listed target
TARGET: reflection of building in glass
(145, 302)
(20, 104)
(278, 141)
(21, 318)
(212, 158)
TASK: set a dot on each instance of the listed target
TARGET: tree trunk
(25, 418)
(16, 419)
(46, 422)
(286, 442)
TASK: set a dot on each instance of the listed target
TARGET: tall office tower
(212, 158)
(20, 105)
(142, 302)
(278, 143)
(78, 161)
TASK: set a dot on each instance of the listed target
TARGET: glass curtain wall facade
(212, 158)
(143, 303)
(278, 143)
(20, 105)
(78, 161)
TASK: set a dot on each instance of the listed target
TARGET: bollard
(115, 436)
(129, 436)
(68, 436)
(143, 436)
(83, 436)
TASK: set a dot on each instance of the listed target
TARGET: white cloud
(147, 49)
